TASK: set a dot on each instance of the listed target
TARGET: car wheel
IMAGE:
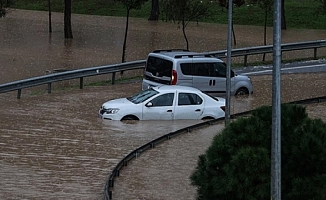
(241, 91)
(129, 118)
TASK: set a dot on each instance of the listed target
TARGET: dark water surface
(53, 146)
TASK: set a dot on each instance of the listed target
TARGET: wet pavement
(53, 146)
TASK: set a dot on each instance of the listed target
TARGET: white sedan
(165, 103)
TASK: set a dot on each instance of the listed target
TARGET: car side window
(189, 99)
(163, 100)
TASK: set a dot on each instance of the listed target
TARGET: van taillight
(174, 77)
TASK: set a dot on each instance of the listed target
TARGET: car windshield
(143, 96)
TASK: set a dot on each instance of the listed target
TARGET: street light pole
(228, 66)
(276, 106)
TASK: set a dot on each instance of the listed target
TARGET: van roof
(177, 53)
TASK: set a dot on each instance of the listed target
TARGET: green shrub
(237, 164)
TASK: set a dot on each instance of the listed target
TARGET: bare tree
(129, 5)
(185, 11)
(50, 19)
(154, 11)
(283, 21)
(225, 4)
(267, 6)
(67, 19)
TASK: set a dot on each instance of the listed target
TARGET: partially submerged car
(165, 102)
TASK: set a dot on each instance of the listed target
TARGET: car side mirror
(149, 104)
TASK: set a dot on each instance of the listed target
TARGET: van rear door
(158, 70)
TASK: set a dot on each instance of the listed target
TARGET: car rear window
(159, 67)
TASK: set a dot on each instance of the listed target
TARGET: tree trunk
(2, 9)
(154, 11)
(283, 21)
(125, 39)
(184, 33)
(233, 33)
(50, 20)
(265, 32)
(67, 19)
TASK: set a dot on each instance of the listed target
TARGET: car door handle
(210, 82)
(197, 110)
(213, 82)
(169, 111)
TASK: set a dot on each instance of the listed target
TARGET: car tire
(242, 91)
(129, 118)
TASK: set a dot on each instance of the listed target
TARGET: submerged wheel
(242, 91)
(129, 117)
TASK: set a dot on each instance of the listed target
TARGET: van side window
(196, 69)
(189, 99)
(219, 70)
(159, 67)
(187, 69)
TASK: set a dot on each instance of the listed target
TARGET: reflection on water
(54, 145)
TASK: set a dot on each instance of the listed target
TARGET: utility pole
(228, 66)
(276, 106)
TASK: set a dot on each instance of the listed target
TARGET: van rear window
(159, 67)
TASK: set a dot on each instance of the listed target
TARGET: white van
(181, 67)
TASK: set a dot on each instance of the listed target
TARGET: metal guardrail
(269, 49)
(136, 153)
(67, 75)
(94, 71)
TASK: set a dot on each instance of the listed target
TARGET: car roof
(164, 88)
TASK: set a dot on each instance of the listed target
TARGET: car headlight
(112, 110)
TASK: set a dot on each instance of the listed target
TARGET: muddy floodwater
(54, 146)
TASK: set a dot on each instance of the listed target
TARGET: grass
(299, 13)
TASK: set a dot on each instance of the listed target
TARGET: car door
(159, 108)
(188, 106)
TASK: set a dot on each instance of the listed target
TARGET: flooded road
(53, 146)
(27, 49)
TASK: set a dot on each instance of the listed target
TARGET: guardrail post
(19, 93)
(315, 53)
(81, 83)
(245, 60)
(49, 87)
(113, 78)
